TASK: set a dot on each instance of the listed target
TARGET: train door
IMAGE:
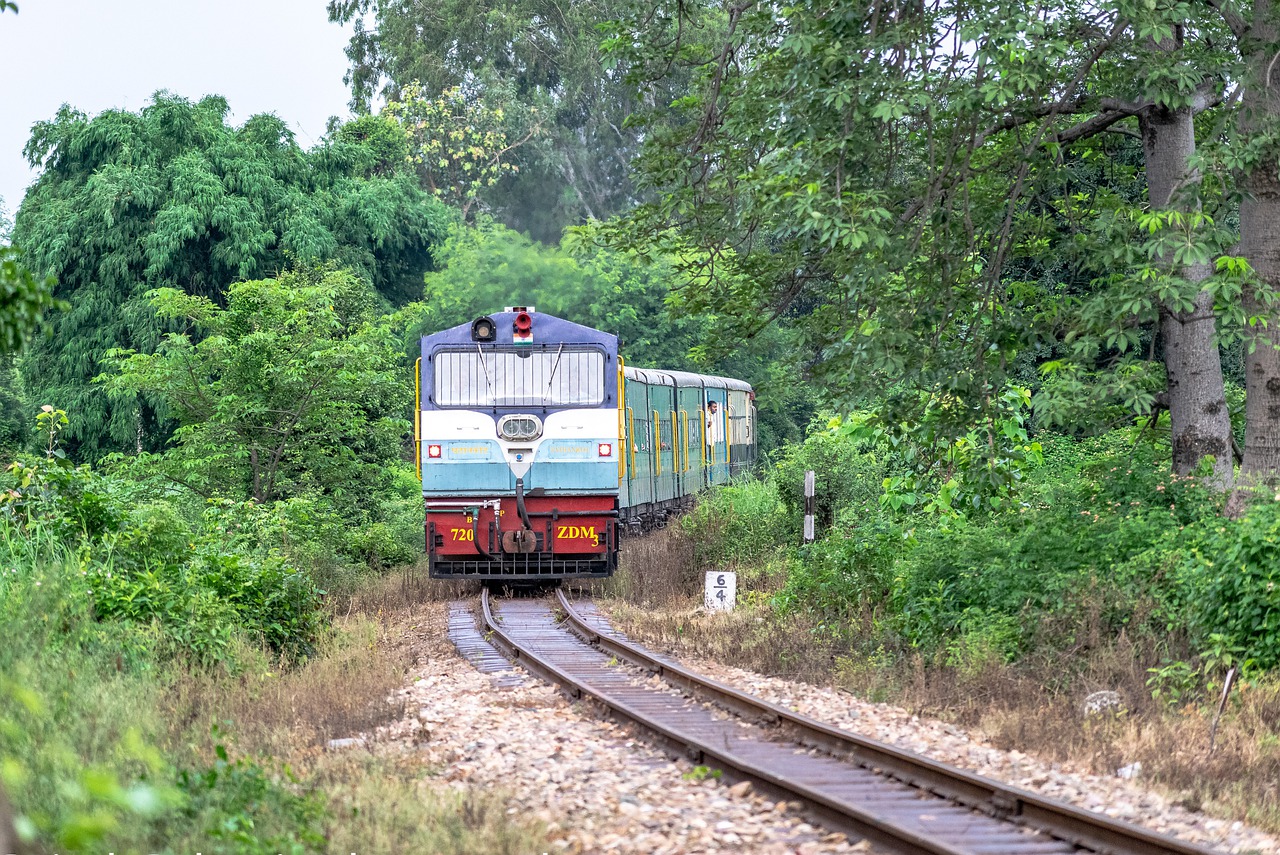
(639, 437)
(716, 425)
(662, 400)
(692, 437)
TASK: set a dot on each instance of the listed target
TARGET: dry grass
(1034, 706)
(379, 800)
(389, 804)
(655, 570)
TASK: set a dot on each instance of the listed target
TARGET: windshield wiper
(551, 379)
(493, 396)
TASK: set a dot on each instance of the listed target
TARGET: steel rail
(1056, 819)
(861, 822)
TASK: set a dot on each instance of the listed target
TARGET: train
(539, 448)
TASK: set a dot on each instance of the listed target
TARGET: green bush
(848, 570)
(247, 811)
(77, 717)
(202, 583)
(1101, 526)
(1231, 575)
(846, 475)
(1090, 540)
(736, 524)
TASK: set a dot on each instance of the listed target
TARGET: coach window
(508, 378)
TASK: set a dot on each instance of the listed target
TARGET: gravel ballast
(597, 788)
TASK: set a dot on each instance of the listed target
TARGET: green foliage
(76, 726)
(736, 524)
(290, 389)
(847, 472)
(936, 221)
(173, 197)
(1094, 540)
(1105, 534)
(199, 586)
(80, 718)
(460, 146)
(1232, 573)
(532, 72)
(237, 804)
(847, 571)
(24, 301)
(13, 405)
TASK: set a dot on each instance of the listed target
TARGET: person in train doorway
(715, 424)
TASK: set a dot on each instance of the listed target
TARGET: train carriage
(537, 445)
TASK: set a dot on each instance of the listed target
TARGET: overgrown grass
(1103, 572)
(170, 681)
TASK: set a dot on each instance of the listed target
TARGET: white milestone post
(808, 506)
(721, 592)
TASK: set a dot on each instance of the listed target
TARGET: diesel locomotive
(538, 447)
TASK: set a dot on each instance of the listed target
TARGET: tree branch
(1233, 19)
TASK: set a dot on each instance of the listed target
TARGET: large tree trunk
(1260, 244)
(1201, 425)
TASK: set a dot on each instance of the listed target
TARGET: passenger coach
(537, 446)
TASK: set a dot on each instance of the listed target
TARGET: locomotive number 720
(462, 534)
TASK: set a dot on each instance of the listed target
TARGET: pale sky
(263, 56)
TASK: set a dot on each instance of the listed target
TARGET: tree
(889, 179)
(537, 61)
(289, 389)
(461, 148)
(487, 267)
(1259, 41)
(174, 197)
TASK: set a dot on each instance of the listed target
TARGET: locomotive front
(517, 432)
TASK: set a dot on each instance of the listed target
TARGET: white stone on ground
(596, 786)
(1122, 799)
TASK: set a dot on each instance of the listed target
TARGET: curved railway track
(896, 799)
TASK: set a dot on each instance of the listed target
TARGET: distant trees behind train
(481, 269)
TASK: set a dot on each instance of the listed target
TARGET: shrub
(846, 475)
(1104, 525)
(247, 811)
(848, 570)
(736, 524)
(1231, 575)
(202, 583)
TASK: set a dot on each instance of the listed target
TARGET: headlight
(519, 428)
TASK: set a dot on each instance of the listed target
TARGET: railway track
(897, 800)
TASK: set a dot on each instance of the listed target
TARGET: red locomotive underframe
(565, 525)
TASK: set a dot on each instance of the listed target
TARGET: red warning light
(433, 451)
(606, 449)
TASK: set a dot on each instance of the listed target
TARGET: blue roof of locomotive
(547, 329)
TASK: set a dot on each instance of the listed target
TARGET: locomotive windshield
(509, 378)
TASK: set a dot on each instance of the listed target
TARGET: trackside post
(808, 506)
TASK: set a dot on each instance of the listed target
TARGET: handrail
(417, 416)
(622, 433)
(684, 420)
(657, 443)
(675, 444)
(631, 440)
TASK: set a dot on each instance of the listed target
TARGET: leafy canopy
(174, 197)
(536, 62)
(290, 389)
